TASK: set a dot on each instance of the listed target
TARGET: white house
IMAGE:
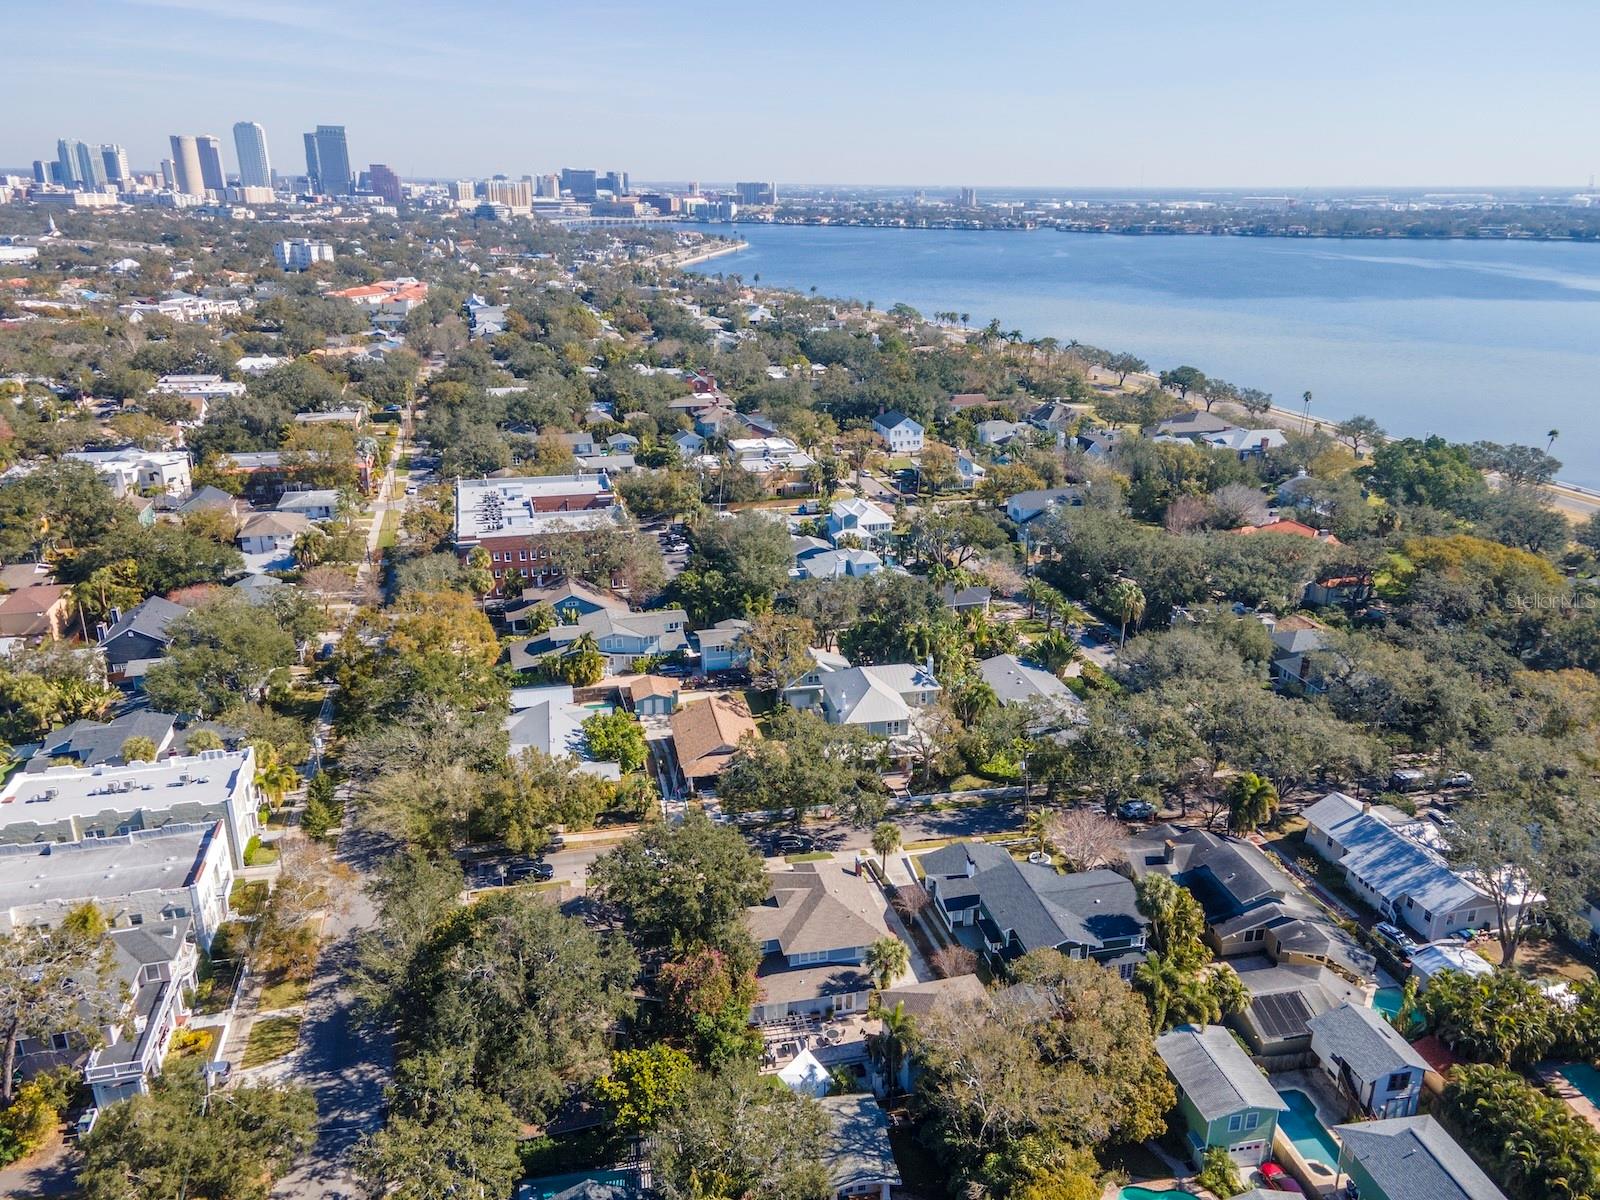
(271, 532)
(1398, 875)
(899, 432)
(882, 699)
(861, 518)
(969, 472)
(316, 505)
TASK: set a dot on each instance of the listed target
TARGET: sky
(1235, 93)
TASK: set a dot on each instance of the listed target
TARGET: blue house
(722, 646)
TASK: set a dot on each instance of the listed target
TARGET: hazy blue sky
(1158, 92)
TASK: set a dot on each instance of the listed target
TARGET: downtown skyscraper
(78, 165)
(212, 175)
(328, 161)
(189, 178)
(255, 165)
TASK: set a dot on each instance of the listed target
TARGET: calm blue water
(1389, 1001)
(1586, 1079)
(1306, 1130)
(1492, 340)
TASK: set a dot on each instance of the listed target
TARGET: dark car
(1397, 941)
(540, 871)
(1136, 810)
(792, 843)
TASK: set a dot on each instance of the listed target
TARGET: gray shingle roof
(1017, 682)
(1413, 1158)
(1042, 908)
(93, 742)
(1216, 1075)
(857, 1153)
(150, 618)
(1365, 1041)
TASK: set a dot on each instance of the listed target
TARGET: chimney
(1169, 850)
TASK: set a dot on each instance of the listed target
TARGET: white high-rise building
(191, 179)
(209, 147)
(115, 159)
(255, 165)
(300, 254)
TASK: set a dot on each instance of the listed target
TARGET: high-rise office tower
(755, 194)
(169, 174)
(550, 186)
(255, 166)
(968, 198)
(67, 156)
(615, 182)
(581, 184)
(91, 167)
(41, 171)
(385, 183)
(115, 160)
(212, 175)
(461, 189)
(313, 165)
(186, 164)
(333, 160)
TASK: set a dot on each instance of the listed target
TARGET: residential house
(1409, 1158)
(212, 499)
(549, 720)
(969, 471)
(881, 699)
(857, 1157)
(569, 601)
(688, 442)
(1284, 999)
(962, 401)
(1223, 1097)
(1251, 906)
(1016, 907)
(271, 533)
(37, 613)
(623, 637)
(722, 647)
(1295, 642)
(1246, 443)
(1346, 590)
(140, 634)
(1000, 433)
(148, 875)
(582, 445)
(608, 464)
(860, 519)
(1055, 417)
(814, 929)
(1099, 443)
(967, 599)
(1371, 1065)
(1016, 681)
(1427, 961)
(780, 462)
(1192, 425)
(899, 432)
(705, 735)
(69, 804)
(314, 505)
(1394, 870)
(1029, 506)
(836, 564)
(1291, 528)
(653, 695)
(93, 743)
(622, 443)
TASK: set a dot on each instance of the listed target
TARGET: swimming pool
(1586, 1079)
(1305, 1129)
(1389, 1001)
(1134, 1192)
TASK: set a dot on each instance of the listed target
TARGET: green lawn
(283, 993)
(259, 854)
(814, 856)
(270, 1038)
(247, 896)
(391, 528)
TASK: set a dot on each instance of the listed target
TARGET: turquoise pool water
(1388, 1000)
(1586, 1079)
(1306, 1130)
(1134, 1192)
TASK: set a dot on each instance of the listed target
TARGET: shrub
(1217, 1174)
(33, 1114)
(1532, 1143)
(954, 960)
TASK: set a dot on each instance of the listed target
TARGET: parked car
(1279, 1179)
(1457, 781)
(1442, 819)
(1397, 941)
(555, 842)
(1136, 810)
(793, 843)
(540, 870)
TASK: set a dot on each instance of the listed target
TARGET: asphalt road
(346, 1065)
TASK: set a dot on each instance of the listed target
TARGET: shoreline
(700, 256)
(963, 227)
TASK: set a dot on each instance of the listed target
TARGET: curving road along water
(1496, 340)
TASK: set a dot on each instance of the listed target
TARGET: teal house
(1223, 1097)
(1409, 1158)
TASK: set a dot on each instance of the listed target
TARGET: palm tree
(1037, 593)
(1306, 400)
(1127, 601)
(1161, 979)
(1037, 827)
(1251, 802)
(277, 779)
(890, 1045)
(887, 960)
(1055, 652)
(1552, 436)
(885, 841)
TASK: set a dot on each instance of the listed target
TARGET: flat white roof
(142, 861)
(207, 778)
(507, 507)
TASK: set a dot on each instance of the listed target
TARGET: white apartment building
(300, 254)
(133, 471)
(72, 804)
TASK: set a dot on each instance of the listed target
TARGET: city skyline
(1164, 97)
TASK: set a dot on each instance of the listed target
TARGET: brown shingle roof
(707, 733)
(644, 686)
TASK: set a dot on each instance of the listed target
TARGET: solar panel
(1281, 1014)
